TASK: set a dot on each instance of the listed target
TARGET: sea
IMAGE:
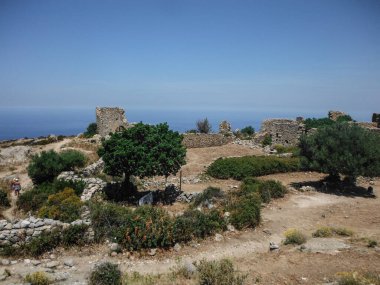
(31, 122)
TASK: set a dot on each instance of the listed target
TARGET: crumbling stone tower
(110, 120)
(283, 131)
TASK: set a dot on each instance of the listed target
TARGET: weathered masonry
(283, 131)
(110, 120)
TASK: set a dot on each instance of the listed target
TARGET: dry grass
(82, 145)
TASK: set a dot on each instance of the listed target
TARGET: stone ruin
(225, 128)
(334, 115)
(283, 131)
(110, 120)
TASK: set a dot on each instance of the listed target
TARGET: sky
(273, 55)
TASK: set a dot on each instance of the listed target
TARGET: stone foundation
(205, 140)
(283, 131)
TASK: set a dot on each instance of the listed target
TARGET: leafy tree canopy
(342, 148)
(144, 151)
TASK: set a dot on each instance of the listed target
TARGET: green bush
(249, 130)
(41, 244)
(311, 123)
(194, 223)
(38, 278)
(245, 211)
(287, 149)
(46, 166)
(294, 236)
(72, 159)
(267, 140)
(105, 273)
(241, 167)
(209, 194)
(4, 201)
(342, 148)
(74, 235)
(92, 130)
(64, 206)
(149, 227)
(218, 273)
(34, 199)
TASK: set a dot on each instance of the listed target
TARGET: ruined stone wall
(109, 120)
(205, 140)
(334, 115)
(283, 131)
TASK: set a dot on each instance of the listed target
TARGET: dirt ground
(317, 263)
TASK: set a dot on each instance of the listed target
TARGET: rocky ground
(316, 262)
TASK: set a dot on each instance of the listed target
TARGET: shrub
(105, 273)
(249, 130)
(34, 199)
(72, 159)
(204, 126)
(356, 278)
(267, 140)
(294, 236)
(287, 149)
(323, 232)
(209, 194)
(194, 223)
(344, 118)
(218, 273)
(245, 211)
(92, 130)
(64, 206)
(343, 232)
(4, 201)
(38, 278)
(41, 244)
(311, 123)
(45, 167)
(241, 167)
(342, 148)
(372, 243)
(74, 235)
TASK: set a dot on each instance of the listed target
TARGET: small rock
(69, 262)
(52, 264)
(190, 268)
(36, 262)
(177, 247)
(226, 214)
(218, 237)
(273, 246)
(266, 231)
(152, 252)
(371, 182)
(27, 261)
(115, 247)
(5, 262)
(13, 262)
(231, 228)
(114, 253)
(52, 256)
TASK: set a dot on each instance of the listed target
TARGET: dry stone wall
(110, 120)
(283, 131)
(205, 140)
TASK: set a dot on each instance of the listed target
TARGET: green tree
(342, 148)
(92, 130)
(249, 130)
(144, 151)
(204, 126)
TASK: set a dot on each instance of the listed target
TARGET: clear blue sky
(277, 55)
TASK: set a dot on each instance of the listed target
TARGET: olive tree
(342, 148)
(143, 151)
